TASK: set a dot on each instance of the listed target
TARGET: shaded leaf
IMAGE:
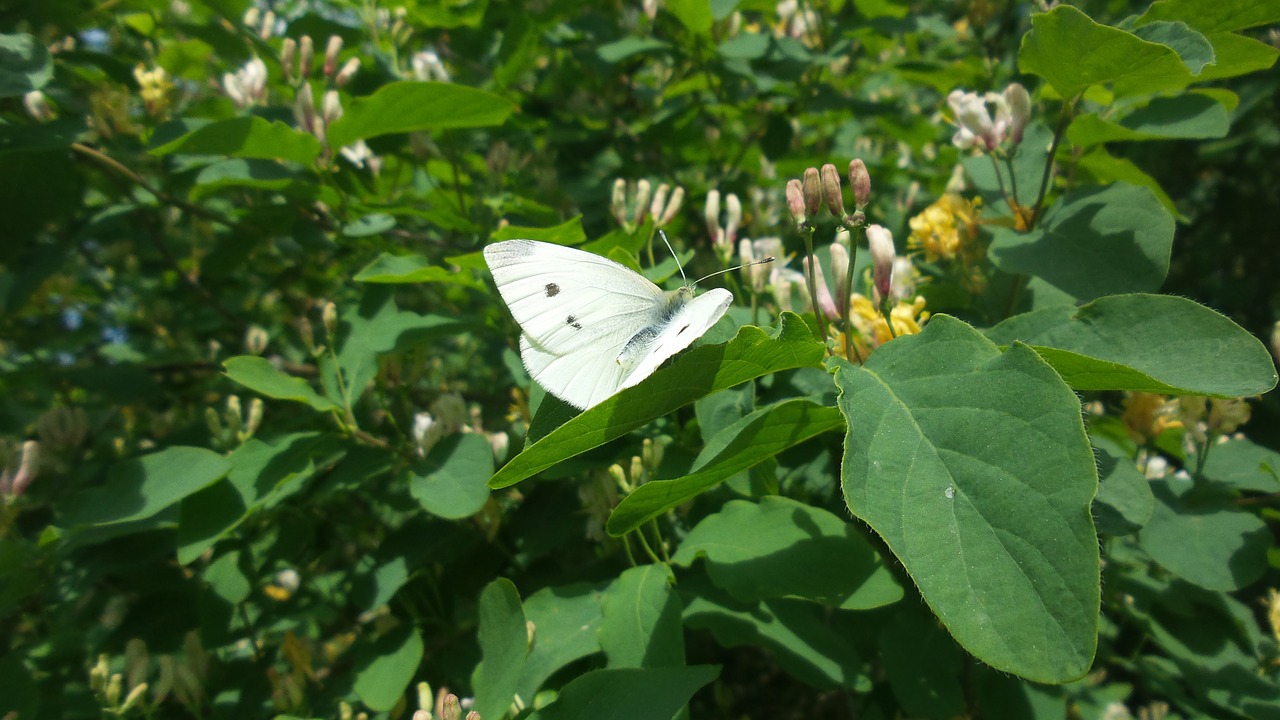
(25, 65)
(387, 666)
(245, 137)
(504, 646)
(259, 375)
(627, 694)
(641, 625)
(1205, 541)
(411, 105)
(141, 487)
(450, 483)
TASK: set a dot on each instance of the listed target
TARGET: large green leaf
(701, 371)
(1073, 53)
(1153, 343)
(385, 668)
(1244, 465)
(409, 106)
(922, 664)
(974, 467)
(641, 624)
(694, 14)
(450, 482)
(1185, 116)
(1236, 55)
(741, 446)
(792, 550)
(566, 620)
(259, 375)
(25, 65)
(504, 646)
(1124, 500)
(1192, 47)
(1206, 541)
(140, 487)
(1213, 15)
(627, 694)
(1093, 242)
(245, 137)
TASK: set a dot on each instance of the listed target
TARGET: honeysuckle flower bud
(812, 191)
(329, 316)
(306, 54)
(252, 422)
(304, 109)
(1275, 341)
(348, 71)
(795, 201)
(452, 708)
(247, 85)
(268, 27)
(904, 279)
(359, 154)
(711, 215)
(832, 193)
(840, 263)
(287, 54)
(659, 202)
(251, 16)
(880, 242)
(331, 107)
(255, 339)
(733, 217)
(618, 201)
(673, 207)
(826, 303)
(132, 699)
(37, 106)
(1019, 103)
(974, 120)
(331, 51)
(473, 715)
(643, 190)
(860, 181)
(427, 65)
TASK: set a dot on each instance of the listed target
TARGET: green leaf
(620, 50)
(748, 442)
(504, 646)
(387, 666)
(1153, 343)
(449, 13)
(1208, 542)
(1093, 242)
(698, 372)
(1236, 55)
(793, 632)
(369, 225)
(1185, 116)
(1103, 168)
(396, 269)
(1244, 465)
(569, 232)
(25, 65)
(226, 579)
(243, 173)
(141, 487)
(974, 467)
(245, 137)
(1124, 502)
(565, 620)
(259, 375)
(1073, 53)
(1194, 49)
(410, 106)
(693, 14)
(627, 694)
(923, 665)
(641, 625)
(791, 550)
(1213, 15)
(450, 483)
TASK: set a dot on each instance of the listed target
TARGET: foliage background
(314, 553)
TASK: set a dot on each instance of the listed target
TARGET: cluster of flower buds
(304, 52)
(232, 428)
(262, 23)
(631, 206)
(723, 237)
(977, 128)
(806, 198)
(426, 65)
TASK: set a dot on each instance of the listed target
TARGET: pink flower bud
(673, 206)
(826, 303)
(860, 181)
(812, 191)
(348, 71)
(618, 201)
(1019, 110)
(840, 263)
(659, 202)
(331, 107)
(306, 53)
(331, 54)
(880, 242)
(643, 190)
(711, 214)
(733, 217)
(287, 54)
(795, 201)
(831, 190)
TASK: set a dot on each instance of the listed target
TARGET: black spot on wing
(552, 289)
(572, 321)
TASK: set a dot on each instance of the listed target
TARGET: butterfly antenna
(736, 267)
(674, 256)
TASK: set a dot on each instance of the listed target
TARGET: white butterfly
(591, 326)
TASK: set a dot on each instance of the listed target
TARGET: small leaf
(791, 550)
(1210, 543)
(619, 50)
(566, 620)
(1215, 16)
(386, 667)
(641, 625)
(1124, 502)
(262, 377)
(1074, 53)
(226, 579)
(974, 467)
(397, 269)
(25, 65)
(410, 106)
(141, 487)
(369, 225)
(1153, 343)
(245, 137)
(504, 646)
(1185, 116)
(450, 483)
(1244, 465)
(627, 694)
(693, 14)
(1093, 242)
(748, 442)
(699, 372)
(1236, 55)
(1195, 49)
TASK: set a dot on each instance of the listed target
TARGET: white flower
(247, 86)
(426, 65)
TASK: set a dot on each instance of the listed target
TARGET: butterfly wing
(582, 378)
(566, 299)
(689, 323)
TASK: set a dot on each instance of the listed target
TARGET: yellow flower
(872, 329)
(946, 229)
(154, 87)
